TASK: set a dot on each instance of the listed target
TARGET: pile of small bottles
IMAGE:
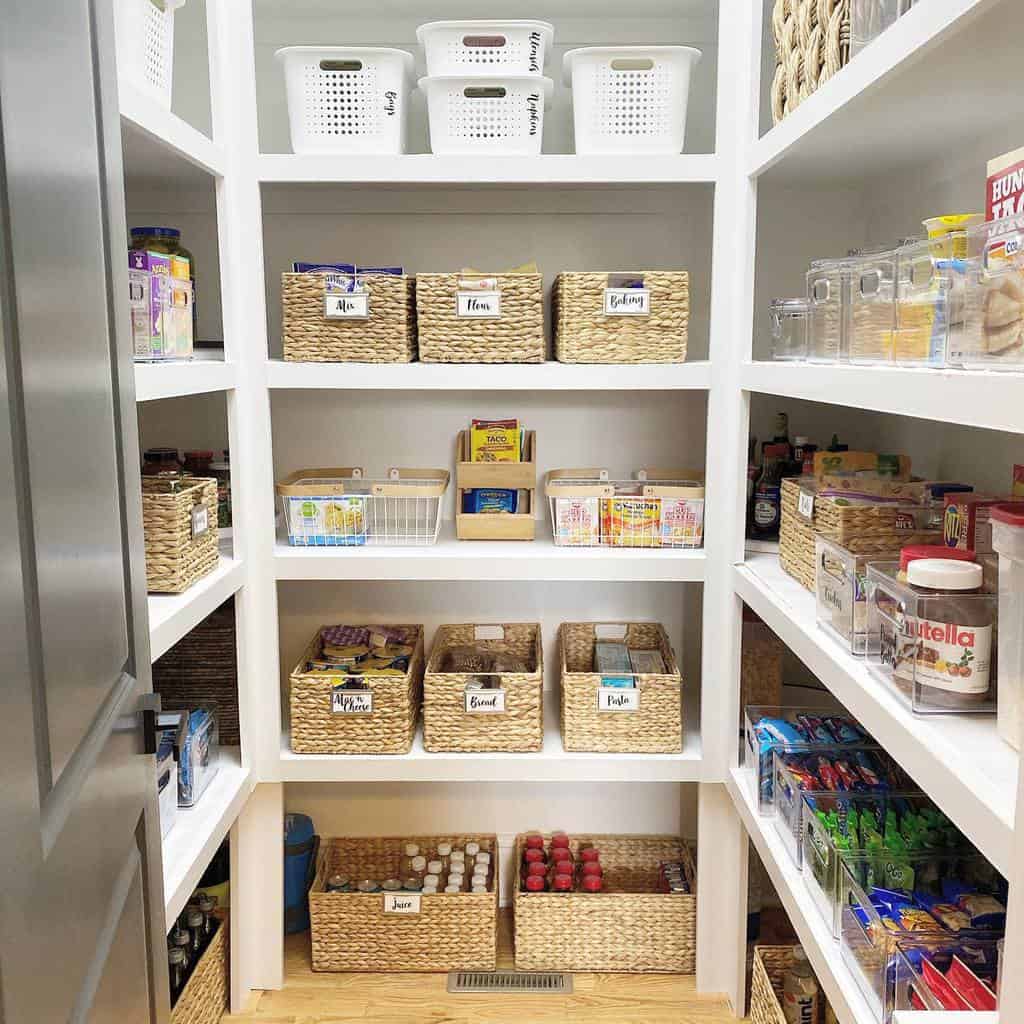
(188, 939)
(556, 869)
(672, 877)
(447, 869)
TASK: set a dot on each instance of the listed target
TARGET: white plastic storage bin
(503, 115)
(144, 30)
(486, 47)
(629, 99)
(347, 99)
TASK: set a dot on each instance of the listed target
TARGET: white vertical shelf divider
(257, 948)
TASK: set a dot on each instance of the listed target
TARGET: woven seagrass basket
(627, 928)
(516, 336)
(447, 726)
(585, 333)
(656, 727)
(388, 728)
(177, 554)
(861, 528)
(812, 42)
(204, 999)
(761, 654)
(770, 966)
(386, 335)
(351, 931)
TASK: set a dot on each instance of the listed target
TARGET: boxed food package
(1004, 189)
(160, 302)
(967, 521)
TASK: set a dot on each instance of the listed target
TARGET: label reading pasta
(614, 698)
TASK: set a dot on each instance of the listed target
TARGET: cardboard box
(1004, 189)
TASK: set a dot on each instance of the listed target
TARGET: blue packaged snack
(489, 499)
(323, 268)
(844, 730)
(772, 731)
(815, 729)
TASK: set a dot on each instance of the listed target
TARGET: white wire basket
(144, 30)
(503, 115)
(346, 508)
(654, 508)
(347, 99)
(629, 99)
(486, 47)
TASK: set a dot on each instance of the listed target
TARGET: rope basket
(351, 931)
(656, 727)
(447, 726)
(812, 42)
(627, 928)
(388, 728)
(761, 655)
(516, 336)
(175, 557)
(585, 333)
(386, 335)
(202, 668)
(770, 966)
(862, 529)
(204, 999)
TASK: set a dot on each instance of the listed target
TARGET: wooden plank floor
(309, 998)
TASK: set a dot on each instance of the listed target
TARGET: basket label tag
(346, 305)
(401, 903)
(805, 505)
(610, 631)
(615, 698)
(200, 520)
(627, 302)
(496, 632)
(351, 702)
(481, 305)
(484, 702)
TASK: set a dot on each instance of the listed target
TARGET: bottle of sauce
(176, 970)
(800, 991)
(768, 493)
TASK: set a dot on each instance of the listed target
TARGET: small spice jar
(160, 462)
(788, 324)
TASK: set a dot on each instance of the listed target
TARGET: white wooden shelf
(204, 373)
(549, 376)
(552, 169)
(159, 145)
(552, 764)
(452, 559)
(815, 935)
(869, 117)
(945, 1017)
(200, 829)
(171, 616)
(969, 397)
(958, 760)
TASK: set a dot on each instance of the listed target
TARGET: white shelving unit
(900, 133)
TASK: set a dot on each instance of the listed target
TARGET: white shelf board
(205, 372)
(815, 935)
(171, 616)
(945, 1017)
(414, 169)
(869, 117)
(160, 146)
(958, 760)
(452, 559)
(550, 376)
(200, 829)
(552, 764)
(972, 398)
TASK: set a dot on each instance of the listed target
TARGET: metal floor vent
(552, 982)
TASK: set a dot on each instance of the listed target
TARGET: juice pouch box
(495, 441)
(631, 522)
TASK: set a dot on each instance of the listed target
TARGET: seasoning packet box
(495, 441)
(490, 499)
(631, 521)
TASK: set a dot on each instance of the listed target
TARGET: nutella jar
(933, 633)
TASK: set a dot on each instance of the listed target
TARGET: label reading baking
(346, 305)
(484, 702)
(401, 903)
(805, 504)
(351, 702)
(200, 520)
(478, 305)
(613, 698)
(834, 594)
(627, 302)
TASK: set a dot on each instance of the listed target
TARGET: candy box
(966, 521)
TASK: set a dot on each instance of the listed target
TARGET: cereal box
(1004, 190)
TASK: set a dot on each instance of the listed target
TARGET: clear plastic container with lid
(788, 323)
(931, 635)
(869, 321)
(828, 292)
(930, 287)
(1008, 542)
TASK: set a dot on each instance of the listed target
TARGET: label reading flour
(481, 305)
(401, 903)
(614, 698)
(484, 702)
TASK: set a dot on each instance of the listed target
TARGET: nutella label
(943, 655)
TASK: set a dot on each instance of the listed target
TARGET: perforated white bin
(629, 99)
(347, 99)
(144, 30)
(486, 47)
(503, 115)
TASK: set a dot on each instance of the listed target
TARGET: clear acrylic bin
(869, 320)
(993, 333)
(869, 18)
(1008, 542)
(196, 739)
(930, 287)
(788, 324)
(841, 587)
(934, 648)
(828, 291)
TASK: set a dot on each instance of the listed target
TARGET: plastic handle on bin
(341, 65)
(484, 92)
(632, 64)
(484, 41)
